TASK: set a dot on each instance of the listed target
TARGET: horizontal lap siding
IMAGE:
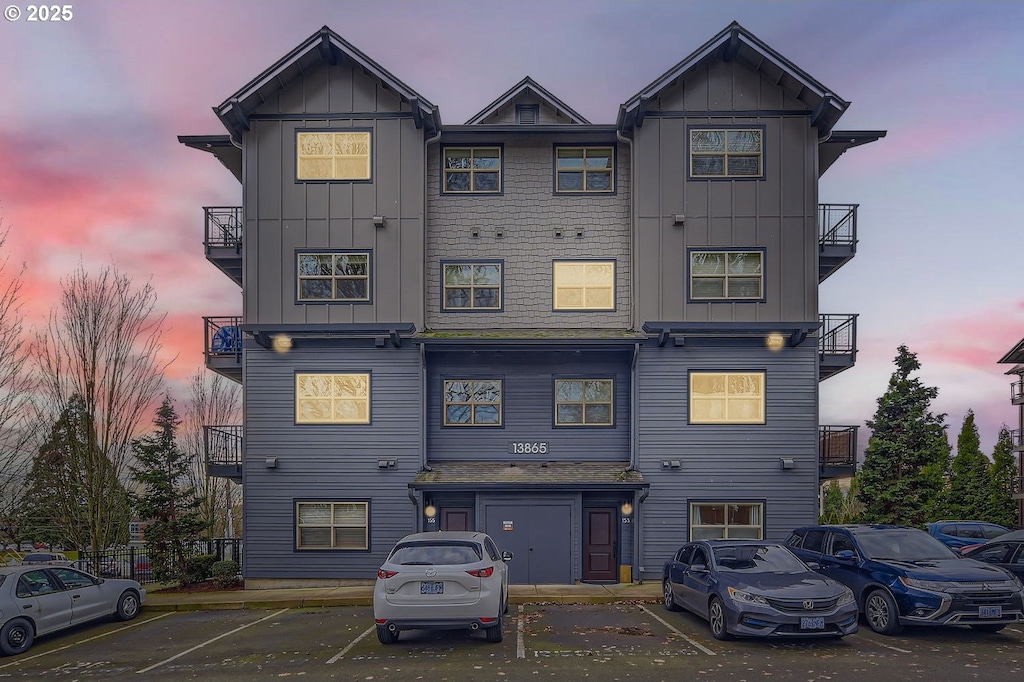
(327, 462)
(528, 410)
(725, 462)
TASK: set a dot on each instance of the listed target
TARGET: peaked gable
(323, 47)
(735, 43)
(523, 89)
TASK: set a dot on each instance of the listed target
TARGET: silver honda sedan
(37, 600)
(442, 580)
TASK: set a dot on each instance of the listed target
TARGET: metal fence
(134, 562)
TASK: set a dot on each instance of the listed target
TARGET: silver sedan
(38, 600)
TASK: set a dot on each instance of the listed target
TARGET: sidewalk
(362, 595)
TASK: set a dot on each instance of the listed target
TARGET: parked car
(41, 599)
(904, 576)
(756, 589)
(1005, 551)
(47, 558)
(959, 534)
(442, 580)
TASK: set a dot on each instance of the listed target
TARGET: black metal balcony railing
(1017, 486)
(838, 334)
(223, 337)
(837, 224)
(1017, 391)
(223, 445)
(1017, 439)
(223, 226)
(837, 446)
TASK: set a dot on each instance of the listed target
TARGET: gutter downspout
(638, 535)
(634, 398)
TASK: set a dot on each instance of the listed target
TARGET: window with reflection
(332, 525)
(726, 275)
(472, 286)
(726, 153)
(471, 170)
(709, 520)
(583, 402)
(334, 276)
(472, 402)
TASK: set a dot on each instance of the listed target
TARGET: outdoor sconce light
(786, 463)
(282, 343)
(271, 462)
(627, 509)
(430, 511)
(378, 221)
(679, 219)
(775, 341)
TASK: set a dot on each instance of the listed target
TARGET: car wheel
(988, 627)
(495, 633)
(128, 605)
(669, 598)
(716, 619)
(387, 636)
(880, 611)
(16, 636)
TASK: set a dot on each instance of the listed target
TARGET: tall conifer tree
(1002, 508)
(967, 494)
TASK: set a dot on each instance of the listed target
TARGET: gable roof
(830, 149)
(1016, 354)
(737, 43)
(323, 46)
(523, 86)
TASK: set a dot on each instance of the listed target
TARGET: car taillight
(482, 572)
(384, 575)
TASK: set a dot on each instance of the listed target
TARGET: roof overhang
(380, 334)
(1015, 355)
(841, 140)
(488, 128)
(532, 339)
(220, 146)
(549, 476)
(792, 333)
(324, 46)
(735, 43)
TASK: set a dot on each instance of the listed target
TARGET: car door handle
(75, 596)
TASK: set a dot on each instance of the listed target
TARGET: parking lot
(629, 641)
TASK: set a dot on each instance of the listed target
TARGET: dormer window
(527, 114)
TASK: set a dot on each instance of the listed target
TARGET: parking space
(630, 640)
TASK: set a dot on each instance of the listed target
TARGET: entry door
(600, 558)
(457, 518)
(540, 537)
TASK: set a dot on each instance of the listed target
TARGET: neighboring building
(593, 342)
(1016, 356)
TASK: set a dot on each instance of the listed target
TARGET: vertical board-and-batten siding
(527, 213)
(528, 406)
(330, 462)
(282, 215)
(778, 212)
(725, 462)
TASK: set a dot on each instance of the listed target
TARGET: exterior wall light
(378, 221)
(282, 343)
(775, 341)
(627, 509)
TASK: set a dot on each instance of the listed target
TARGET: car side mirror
(506, 556)
(698, 568)
(846, 555)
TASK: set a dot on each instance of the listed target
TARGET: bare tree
(16, 394)
(213, 401)
(102, 344)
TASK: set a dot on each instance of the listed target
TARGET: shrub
(225, 573)
(198, 568)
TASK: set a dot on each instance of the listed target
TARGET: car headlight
(930, 585)
(746, 597)
(846, 598)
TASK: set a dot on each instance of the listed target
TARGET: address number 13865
(527, 448)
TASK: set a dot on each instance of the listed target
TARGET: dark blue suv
(902, 576)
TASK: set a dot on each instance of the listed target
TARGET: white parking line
(692, 642)
(210, 641)
(520, 644)
(875, 641)
(335, 657)
(89, 639)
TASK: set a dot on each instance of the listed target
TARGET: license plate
(436, 587)
(812, 623)
(990, 612)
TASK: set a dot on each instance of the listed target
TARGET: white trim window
(710, 520)
(726, 153)
(332, 525)
(585, 169)
(332, 156)
(332, 398)
(726, 275)
(583, 402)
(584, 285)
(727, 397)
(471, 170)
(472, 402)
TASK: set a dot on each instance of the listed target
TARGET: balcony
(837, 344)
(1017, 392)
(224, 240)
(837, 451)
(222, 346)
(1017, 438)
(1017, 488)
(223, 445)
(837, 237)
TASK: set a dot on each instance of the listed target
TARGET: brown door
(600, 560)
(457, 518)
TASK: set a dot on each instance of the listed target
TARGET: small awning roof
(1016, 354)
(518, 475)
(220, 146)
(839, 141)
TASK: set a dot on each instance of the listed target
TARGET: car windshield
(435, 553)
(758, 559)
(901, 545)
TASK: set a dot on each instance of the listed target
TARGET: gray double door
(540, 537)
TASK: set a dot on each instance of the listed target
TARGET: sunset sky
(91, 171)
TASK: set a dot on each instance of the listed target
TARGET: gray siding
(327, 462)
(528, 213)
(282, 215)
(778, 212)
(725, 462)
(528, 410)
(548, 115)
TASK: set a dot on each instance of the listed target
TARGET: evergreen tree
(966, 497)
(832, 504)
(1001, 507)
(907, 453)
(167, 501)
